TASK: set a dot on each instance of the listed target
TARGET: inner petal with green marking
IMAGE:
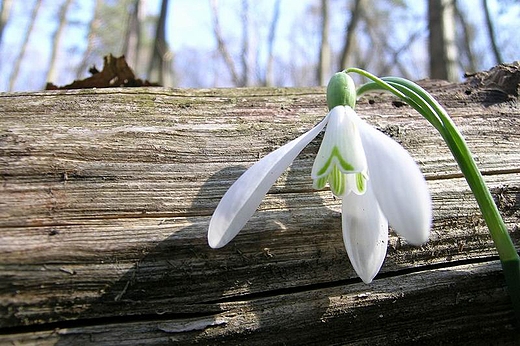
(335, 157)
(341, 159)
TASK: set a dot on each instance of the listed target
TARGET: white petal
(242, 199)
(398, 184)
(341, 145)
(365, 233)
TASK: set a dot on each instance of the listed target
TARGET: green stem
(427, 106)
(469, 168)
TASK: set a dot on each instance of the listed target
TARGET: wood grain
(106, 195)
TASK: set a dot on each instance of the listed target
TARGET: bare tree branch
(95, 22)
(25, 42)
(350, 37)
(269, 77)
(245, 43)
(467, 37)
(5, 10)
(56, 37)
(222, 47)
(491, 33)
(394, 61)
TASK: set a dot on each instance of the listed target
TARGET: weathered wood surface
(106, 196)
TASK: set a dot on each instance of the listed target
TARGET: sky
(189, 27)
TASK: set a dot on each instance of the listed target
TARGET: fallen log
(106, 195)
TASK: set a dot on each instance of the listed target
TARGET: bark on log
(106, 196)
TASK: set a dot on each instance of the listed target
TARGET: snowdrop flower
(378, 181)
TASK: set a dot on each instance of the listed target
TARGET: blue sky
(190, 27)
(182, 13)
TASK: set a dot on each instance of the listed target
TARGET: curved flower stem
(427, 106)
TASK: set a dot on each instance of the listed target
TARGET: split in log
(106, 195)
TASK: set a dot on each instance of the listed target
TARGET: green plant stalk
(427, 106)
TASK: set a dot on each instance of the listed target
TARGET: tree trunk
(106, 196)
(132, 44)
(442, 45)
(324, 59)
(244, 56)
(160, 69)
(62, 19)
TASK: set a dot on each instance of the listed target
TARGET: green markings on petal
(335, 153)
(361, 183)
(337, 181)
(319, 183)
(341, 183)
(341, 160)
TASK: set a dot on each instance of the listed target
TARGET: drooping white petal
(341, 151)
(242, 199)
(399, 185)
(365, 233)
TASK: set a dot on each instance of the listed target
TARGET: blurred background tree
(221, 43)
(442, 45)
